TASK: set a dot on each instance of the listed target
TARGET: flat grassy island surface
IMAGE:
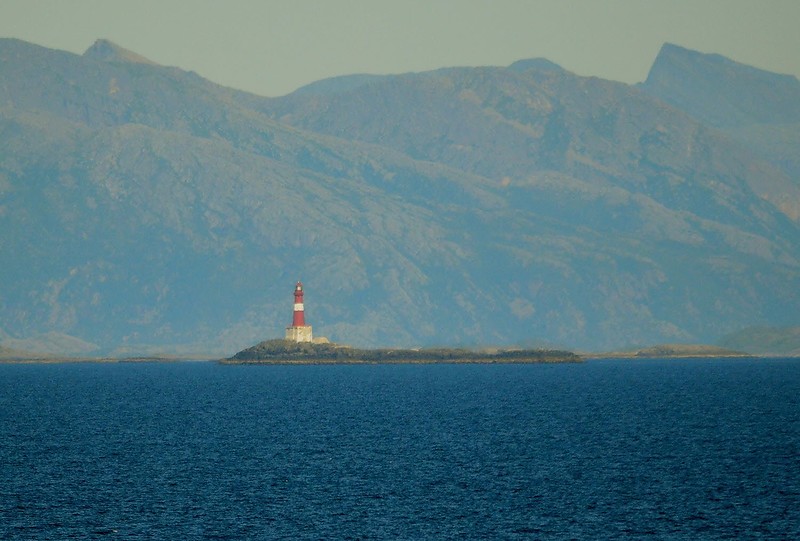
(286, 352)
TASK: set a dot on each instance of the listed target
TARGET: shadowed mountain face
(144, 207)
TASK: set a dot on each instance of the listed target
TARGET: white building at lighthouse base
(299, 334)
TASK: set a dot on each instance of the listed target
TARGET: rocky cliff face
(143, 207)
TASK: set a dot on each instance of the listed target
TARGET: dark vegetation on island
(286, 352)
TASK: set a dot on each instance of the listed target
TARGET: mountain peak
(673, 56)
(108, 51)
(721, 91)
(540, 64)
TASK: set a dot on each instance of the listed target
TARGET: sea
(697, 449)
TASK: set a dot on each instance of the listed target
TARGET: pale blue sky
(271, 47)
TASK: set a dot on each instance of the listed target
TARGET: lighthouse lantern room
(298, 331)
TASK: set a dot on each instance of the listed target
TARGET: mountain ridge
(143, 206)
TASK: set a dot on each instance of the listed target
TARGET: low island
(675, 351)
(289, 352)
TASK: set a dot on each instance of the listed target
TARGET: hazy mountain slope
(721, 92)
(759, 109)
(505, 123)
(342, 83)
(145, 209)
(766, 340)
(130, 234)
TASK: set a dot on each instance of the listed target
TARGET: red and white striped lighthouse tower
(299, 317)
(298, 331)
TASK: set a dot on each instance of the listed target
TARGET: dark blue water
(603, 450)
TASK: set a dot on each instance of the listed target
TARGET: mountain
(512, 124)
(47, 344)
(144, 209)
(604, 156)
(781, 341)
(721, 92)
(759, 109)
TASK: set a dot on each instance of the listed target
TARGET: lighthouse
(298, 331)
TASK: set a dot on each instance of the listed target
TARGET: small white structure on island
(298, 331)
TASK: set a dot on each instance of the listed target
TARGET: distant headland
(673, 351)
